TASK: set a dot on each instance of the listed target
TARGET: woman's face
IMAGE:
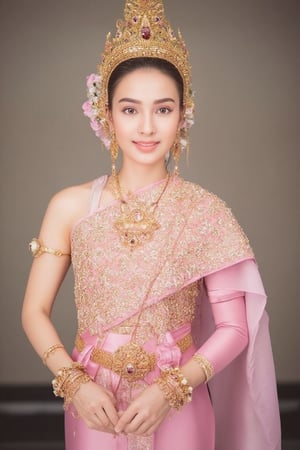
(145, 116)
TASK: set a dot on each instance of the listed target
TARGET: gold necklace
(137, 222)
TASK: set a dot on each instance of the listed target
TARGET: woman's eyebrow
(132, 100)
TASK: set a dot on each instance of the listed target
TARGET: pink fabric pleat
(244, 394)
(192, 428)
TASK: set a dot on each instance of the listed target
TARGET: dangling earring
(114, 151)
(176, 151)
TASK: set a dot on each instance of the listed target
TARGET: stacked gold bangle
(175, 387)
(205, 365)
(68, 380)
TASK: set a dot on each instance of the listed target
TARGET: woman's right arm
(93, 403)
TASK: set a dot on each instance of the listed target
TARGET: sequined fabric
(198, 235)
(157, 284)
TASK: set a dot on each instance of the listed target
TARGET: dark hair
(132, 64)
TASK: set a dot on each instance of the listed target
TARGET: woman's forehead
(146, 82)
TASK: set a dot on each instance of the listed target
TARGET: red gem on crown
(146, 33)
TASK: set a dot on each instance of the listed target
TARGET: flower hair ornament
(144, 32)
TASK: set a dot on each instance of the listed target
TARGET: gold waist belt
(130, 361)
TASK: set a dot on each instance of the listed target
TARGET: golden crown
(144, 32)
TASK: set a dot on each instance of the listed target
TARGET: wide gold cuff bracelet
(37, 248)
(130, 361)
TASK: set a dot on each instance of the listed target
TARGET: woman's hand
(145, 413)
(96, 406)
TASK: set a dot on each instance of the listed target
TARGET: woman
(167, 290)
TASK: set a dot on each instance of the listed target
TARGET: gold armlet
(205, 365)
(37, 248)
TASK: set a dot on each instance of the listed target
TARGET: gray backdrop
(245, 144)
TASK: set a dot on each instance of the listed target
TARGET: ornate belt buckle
(132, 362)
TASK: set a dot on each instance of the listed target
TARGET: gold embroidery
(111, 281)
(130, 361)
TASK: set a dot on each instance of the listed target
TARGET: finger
(94, 422)
(112, 397)
(136, 424)
(111, 413)
(151, 429)
(125, 419)
(102, 420)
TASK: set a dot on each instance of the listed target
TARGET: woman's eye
(129, 110)
(164, 110)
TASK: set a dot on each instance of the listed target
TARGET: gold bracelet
(37, 248)
(51, 350)
(175, 387)
(59, 381)
(68, 380)
(73, 386)
(205, 365)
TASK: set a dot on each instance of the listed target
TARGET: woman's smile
(146, 146)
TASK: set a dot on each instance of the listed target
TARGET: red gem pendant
(130, 369)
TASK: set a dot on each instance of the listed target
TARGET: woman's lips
(146, 146)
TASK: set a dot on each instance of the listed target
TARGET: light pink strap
(96, 191)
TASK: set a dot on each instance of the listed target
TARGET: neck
(133, 178)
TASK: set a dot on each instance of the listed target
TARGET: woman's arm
(46, 275)
(231, 331)
(226, 343)
(93, 403)
(230, 337)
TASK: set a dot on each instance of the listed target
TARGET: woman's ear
(181, 119)
(108, 118)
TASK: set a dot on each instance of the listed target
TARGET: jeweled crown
(144, 32)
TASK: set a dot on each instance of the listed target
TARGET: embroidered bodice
(197, 235)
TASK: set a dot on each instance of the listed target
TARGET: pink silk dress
(175, 283)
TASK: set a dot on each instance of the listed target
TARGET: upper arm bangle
(37, 248)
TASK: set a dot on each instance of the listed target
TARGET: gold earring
(114, 151)
(176, 151)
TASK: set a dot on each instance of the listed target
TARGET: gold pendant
(137, 224)
(132, 362)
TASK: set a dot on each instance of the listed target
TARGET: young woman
(166, 287)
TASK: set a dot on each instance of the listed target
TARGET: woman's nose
(147, 125)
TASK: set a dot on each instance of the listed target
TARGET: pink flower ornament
(90, 108)
(168, 353)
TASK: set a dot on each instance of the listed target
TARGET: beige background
(245, 142)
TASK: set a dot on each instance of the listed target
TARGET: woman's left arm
(229, 339)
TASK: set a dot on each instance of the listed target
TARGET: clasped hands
(97, 407)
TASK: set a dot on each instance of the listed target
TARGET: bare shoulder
(65, 208)
(71, 203)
